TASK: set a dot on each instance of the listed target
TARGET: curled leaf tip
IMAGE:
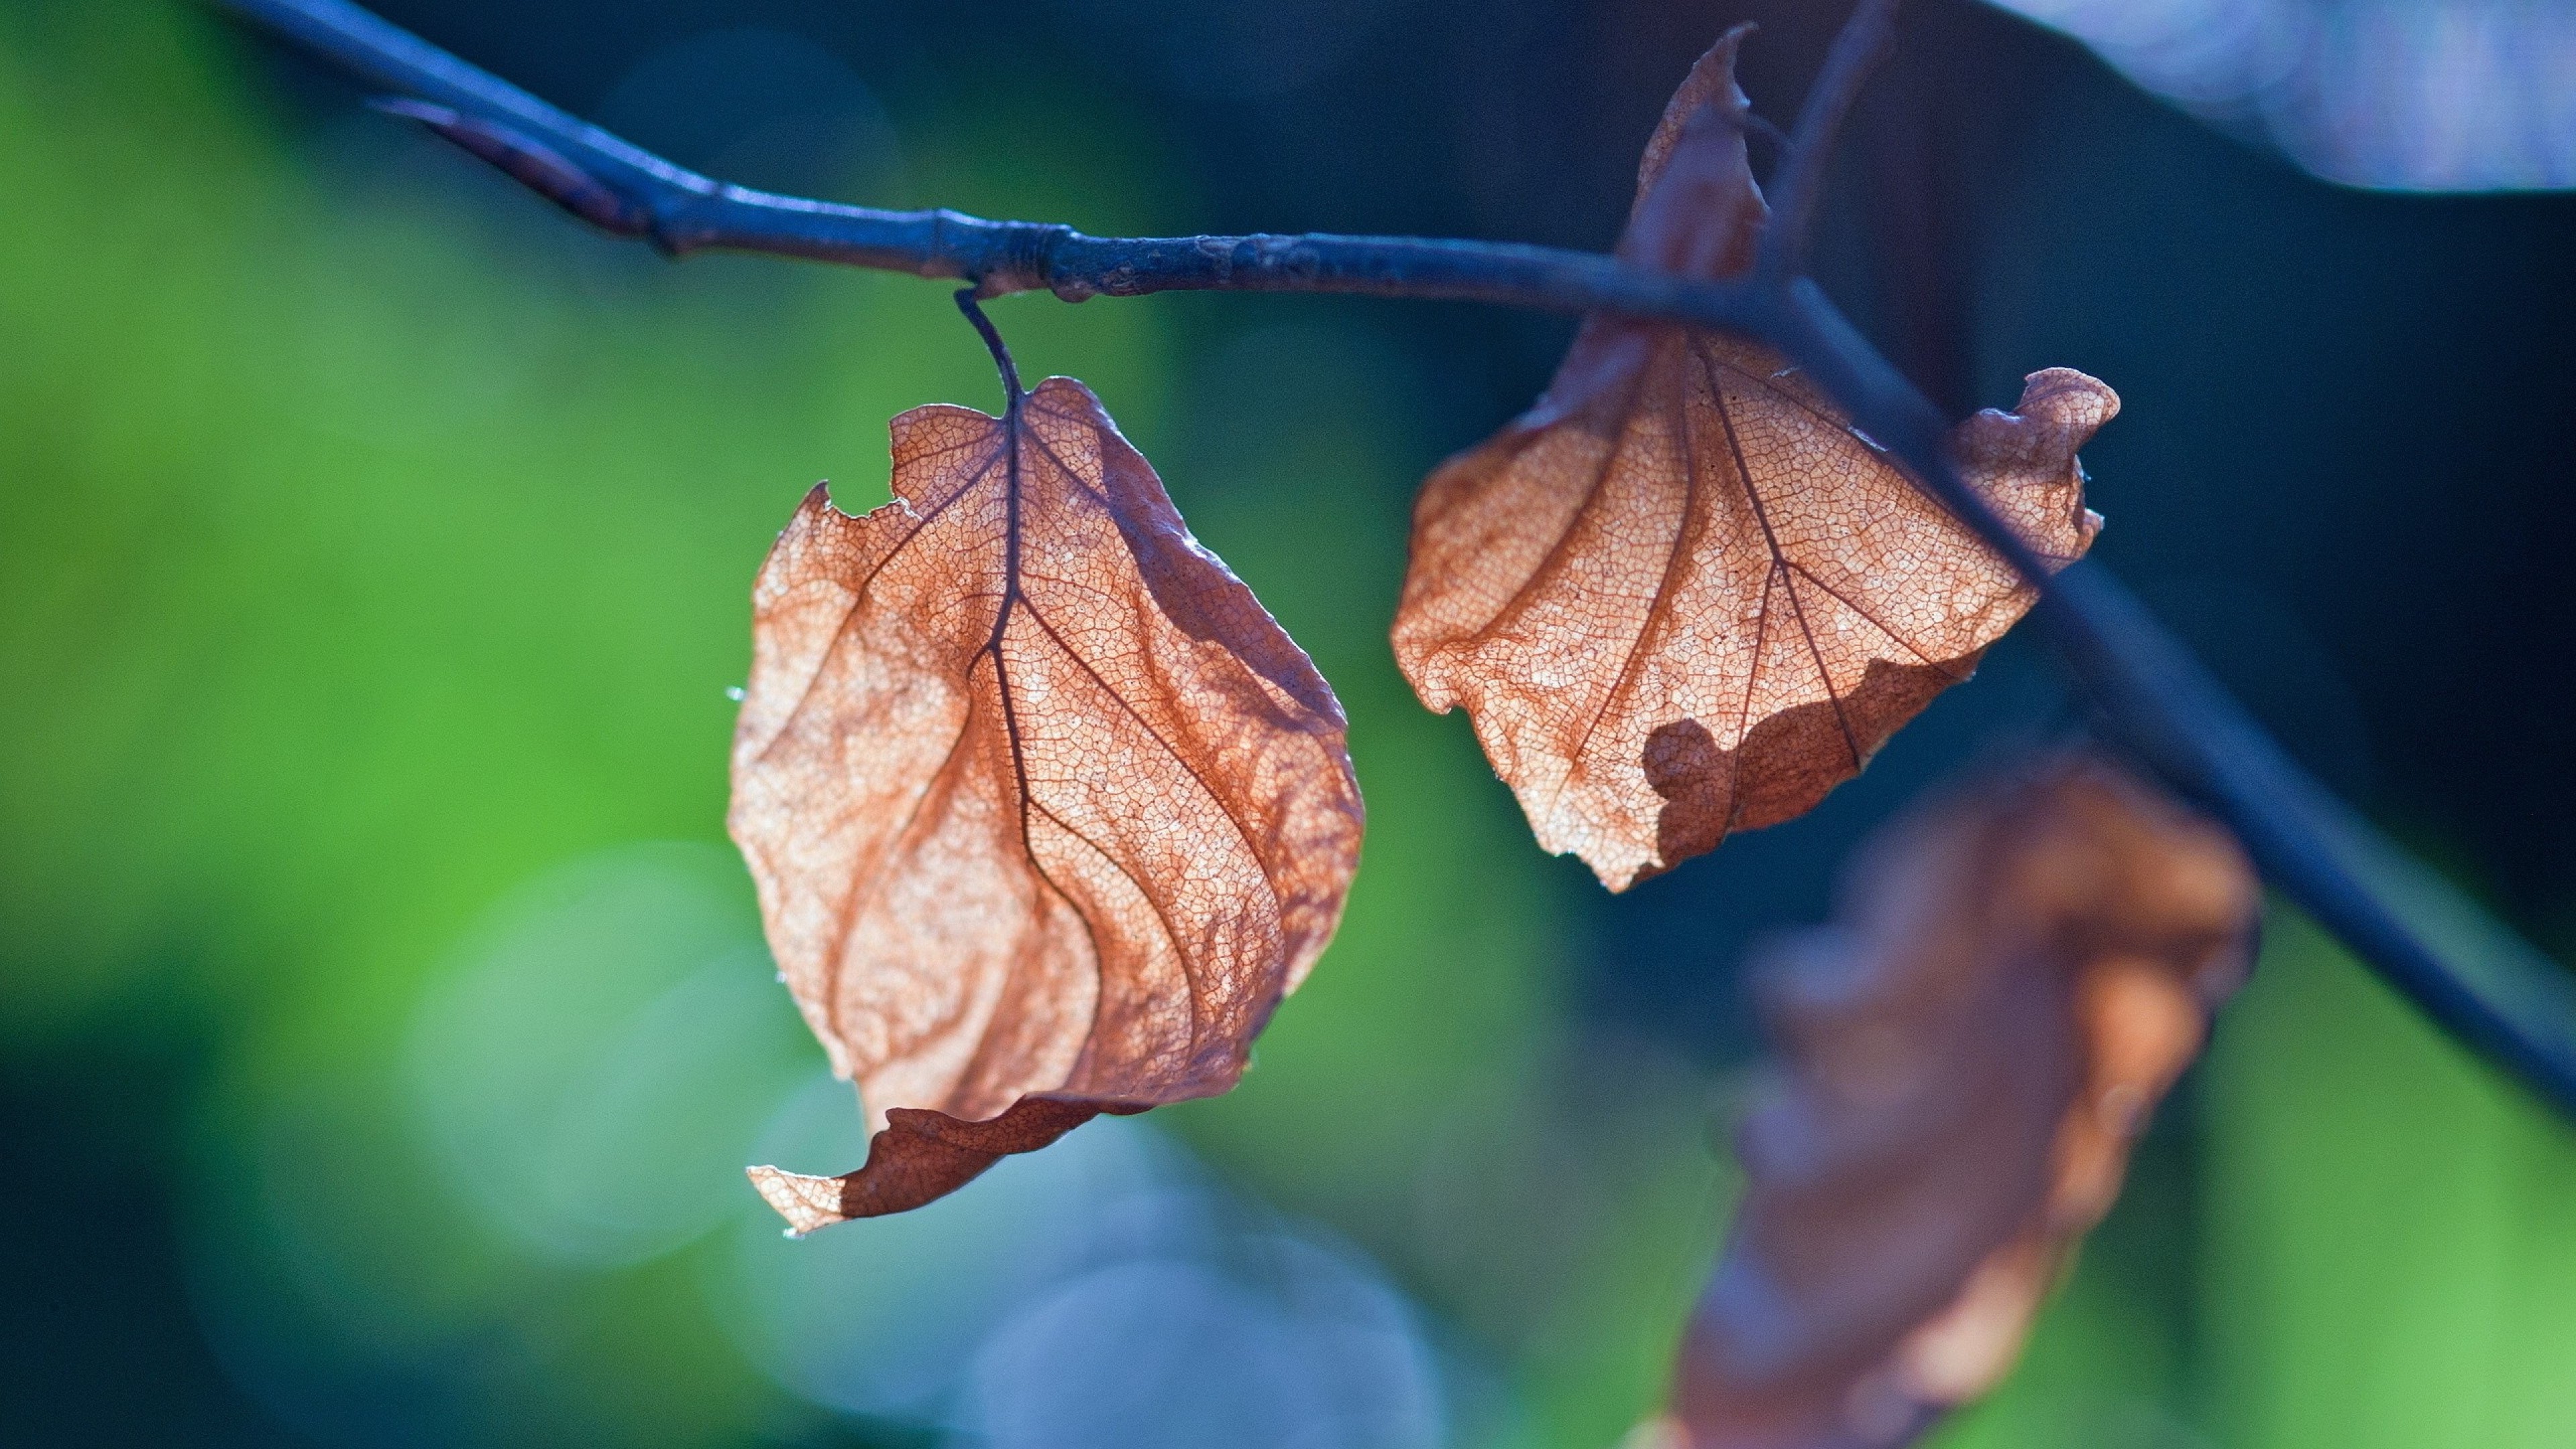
(2059, 412)
(2073, 402)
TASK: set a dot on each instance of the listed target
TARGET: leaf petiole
(984, 328)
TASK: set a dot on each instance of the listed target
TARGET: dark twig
(1859, 47)
(2480, 982)
(1759, 127)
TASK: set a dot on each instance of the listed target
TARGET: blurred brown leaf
(1046, 812)
(2015, 978)
(1680, 596)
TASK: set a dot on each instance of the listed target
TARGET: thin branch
(1858, 49)
(626, 190)
(2480, 982)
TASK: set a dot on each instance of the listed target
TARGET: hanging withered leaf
(1681, 596)
(1046, 812)
(2015, 978)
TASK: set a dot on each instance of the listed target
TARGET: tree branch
(2427, 940)
(626, 190)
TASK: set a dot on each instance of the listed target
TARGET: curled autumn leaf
(1681, 596)
(2015, 979)
(1046, 812)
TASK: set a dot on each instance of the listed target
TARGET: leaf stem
(2469, 973)
(984, 328)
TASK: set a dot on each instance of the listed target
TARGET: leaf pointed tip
(1717, 199)
(1616, 872)
(807, 1203)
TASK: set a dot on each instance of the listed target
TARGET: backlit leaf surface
(1681, 596)
(1046, 812)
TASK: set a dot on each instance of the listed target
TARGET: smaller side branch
(1859, 48)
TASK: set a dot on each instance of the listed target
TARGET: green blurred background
(384, 1024)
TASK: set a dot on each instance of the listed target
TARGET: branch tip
(528, 161)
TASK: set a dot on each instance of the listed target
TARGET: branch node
(1026, 262)
(661, 227)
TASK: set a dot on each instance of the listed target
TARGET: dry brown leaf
(2015, 978)
(1680, 596)
(1046, 812)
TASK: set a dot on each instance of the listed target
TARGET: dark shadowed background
(383, 1025)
